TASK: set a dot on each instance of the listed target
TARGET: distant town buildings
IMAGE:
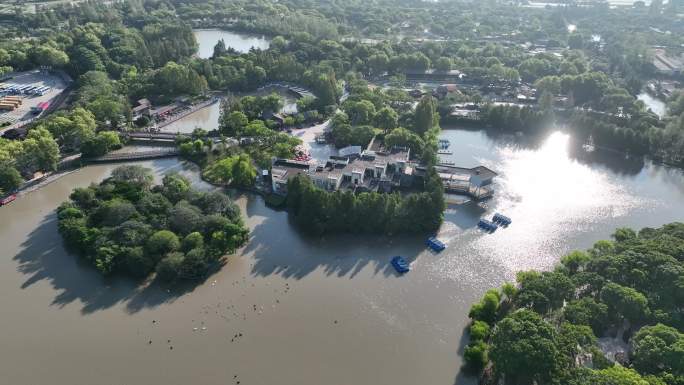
(667, 65)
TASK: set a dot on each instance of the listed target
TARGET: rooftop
(481, 171)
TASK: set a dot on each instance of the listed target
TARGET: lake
(241, 42)
(297, 310)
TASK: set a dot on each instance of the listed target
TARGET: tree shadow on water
(44, 258)
(463, 377)
(279, 247)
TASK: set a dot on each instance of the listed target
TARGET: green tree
(71, 129)
(169, 267)
(10, 178)
(586, 311)
(162, 242)
(524, 348)
(233, 124)
(185, 218)
(479, 331)
(659, 349)
(426, 116)
(235, 170)
(386, 119)
(40, 152)
(361, 112)
(486, 310)
(625, 301)
(101, 144)
(138, 175)
(475, 357)
(405, 138)
(619, 375)
(45, 55)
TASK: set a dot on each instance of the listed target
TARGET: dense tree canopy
(127, 225)
(544, 331)
(318, 211)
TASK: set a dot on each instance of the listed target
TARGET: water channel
(309, 310)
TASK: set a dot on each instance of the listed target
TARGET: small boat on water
(444, 152)
(501, 219)
(400, 265)
(487, 226)
(435, 244)
(8, 199)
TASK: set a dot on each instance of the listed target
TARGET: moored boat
(435, 244)
(501, 219)
(487, 225)
(400, 265)
(8, 199)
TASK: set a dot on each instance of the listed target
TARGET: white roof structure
(350, 150)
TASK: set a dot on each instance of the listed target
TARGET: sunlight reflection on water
(549, 196)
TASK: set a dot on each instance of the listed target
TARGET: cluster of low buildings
(373, 169)
(379, 169)
(144, 107)
(668, 65)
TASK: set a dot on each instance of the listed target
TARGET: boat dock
(474, 182)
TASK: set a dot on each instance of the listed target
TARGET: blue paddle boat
(501, 219)
(487, 226)
(400, 265)
(435, 244)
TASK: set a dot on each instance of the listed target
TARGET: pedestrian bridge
(136, 155)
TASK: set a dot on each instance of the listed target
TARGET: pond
(298, 310)
(654, 104)
(208, 117)
(241, 42)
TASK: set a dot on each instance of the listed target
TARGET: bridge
(139, 155)
(155, 137)
(298, 90)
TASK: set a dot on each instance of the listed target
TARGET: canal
(295, 310)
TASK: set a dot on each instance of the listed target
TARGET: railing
(141, 155)
(153, 135)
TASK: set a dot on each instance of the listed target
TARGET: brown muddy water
(289, 309)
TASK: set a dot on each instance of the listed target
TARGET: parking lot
(32, 103)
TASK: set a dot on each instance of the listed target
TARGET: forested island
(545, 329)
(127, 225)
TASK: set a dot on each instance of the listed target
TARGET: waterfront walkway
(137, 155)
(300, 91)
(155, 136)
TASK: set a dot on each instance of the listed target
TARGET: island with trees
(547, 328)
(376, 115)
(126, 225)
